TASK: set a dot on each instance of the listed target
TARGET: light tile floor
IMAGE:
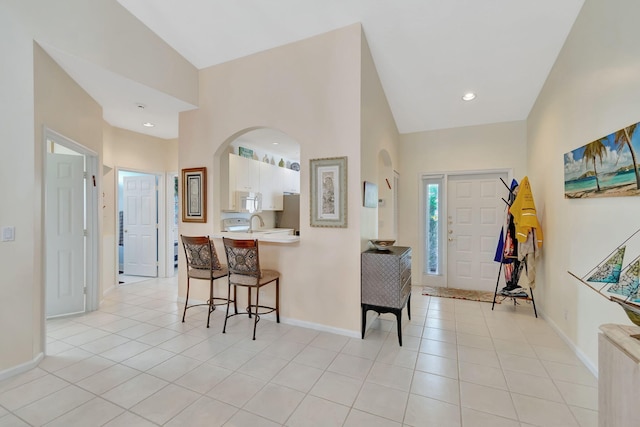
(133, 363)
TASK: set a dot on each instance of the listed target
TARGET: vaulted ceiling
(428, 53)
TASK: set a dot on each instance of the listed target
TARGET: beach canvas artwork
(606, 167)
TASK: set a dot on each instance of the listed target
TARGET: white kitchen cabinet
(227, 184)
(237, 174)
(245, 172)
(271, 187)
(290, 180)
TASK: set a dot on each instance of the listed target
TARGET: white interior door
(64, 225)
(140, 226)
(475, 214)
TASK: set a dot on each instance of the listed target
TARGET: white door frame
(396, 186)
(162, 220)
(94, 184)
(169, 262)
(442, 279)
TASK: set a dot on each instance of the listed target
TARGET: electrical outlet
(8, 234)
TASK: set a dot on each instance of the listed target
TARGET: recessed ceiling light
(275, 143)
(469, 96)
(148, 124)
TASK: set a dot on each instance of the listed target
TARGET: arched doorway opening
(387, 197)
(265, 161)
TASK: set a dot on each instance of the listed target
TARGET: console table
(386, 283)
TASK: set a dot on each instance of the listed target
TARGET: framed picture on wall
(605, 167)
(194, 195)
(329, 192)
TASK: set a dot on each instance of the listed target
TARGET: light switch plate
(8, 234)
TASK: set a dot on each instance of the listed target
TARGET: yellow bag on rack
(524, 213)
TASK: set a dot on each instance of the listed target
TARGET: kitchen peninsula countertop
(269, 235)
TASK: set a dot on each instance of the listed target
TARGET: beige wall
(311, 91)
(591, 92)
(62, 106)
(473, 148)
(113, 39)
(20, 292)
(110, 37)
(379, 134)
(127, 150)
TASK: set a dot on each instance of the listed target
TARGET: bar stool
(244, 270)
(203, 264)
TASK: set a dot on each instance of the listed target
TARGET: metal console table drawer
(386, 283)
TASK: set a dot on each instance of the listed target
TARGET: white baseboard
(579, 353)
(108, 290)
(319, 327)
(293, 322)
(24, 367)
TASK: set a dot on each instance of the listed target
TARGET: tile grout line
(384, 334)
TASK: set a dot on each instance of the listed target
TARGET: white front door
(64, 227)
(475, 214)
(140, 226)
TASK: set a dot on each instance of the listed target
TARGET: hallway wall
(591, 91)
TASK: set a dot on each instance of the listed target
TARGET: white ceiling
(428, 53)
(125, 103)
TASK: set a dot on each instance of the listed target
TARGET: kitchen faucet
(251, 222)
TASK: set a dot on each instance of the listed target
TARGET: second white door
(475, 214)
(64, 225)
(140, 226)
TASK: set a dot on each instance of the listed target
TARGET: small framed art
(194, 195)
(329, 192)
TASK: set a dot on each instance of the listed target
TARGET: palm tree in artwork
(622, 138)
(591, 151)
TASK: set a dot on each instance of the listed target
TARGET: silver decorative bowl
(382, 245)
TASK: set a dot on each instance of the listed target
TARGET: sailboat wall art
(618, 279)
(606, 167)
